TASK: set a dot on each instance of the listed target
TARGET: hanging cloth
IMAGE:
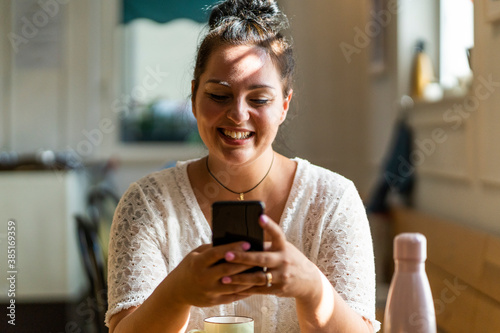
(398, 174)
(163, 11)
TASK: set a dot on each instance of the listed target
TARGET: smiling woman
(165, 276)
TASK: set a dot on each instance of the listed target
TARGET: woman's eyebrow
(224, 83)
(252, 87)
(259, 86)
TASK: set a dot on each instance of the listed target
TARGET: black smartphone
(234, 221)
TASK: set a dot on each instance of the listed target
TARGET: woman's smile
(236, 137)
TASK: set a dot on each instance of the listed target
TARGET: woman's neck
(243, 178)
(273, 191)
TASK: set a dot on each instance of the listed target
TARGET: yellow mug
(227, 324)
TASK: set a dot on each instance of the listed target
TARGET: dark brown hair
(251, 22)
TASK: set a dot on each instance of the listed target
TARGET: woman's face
(239, 103)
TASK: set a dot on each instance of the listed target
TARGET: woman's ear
(286, 105)
(193, 107)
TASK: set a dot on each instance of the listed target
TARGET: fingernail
(264, 219)
(245, 246)
(229, 256)
(226, 280)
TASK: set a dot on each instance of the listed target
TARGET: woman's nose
(239, 112)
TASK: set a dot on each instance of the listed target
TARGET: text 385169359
(11, 271)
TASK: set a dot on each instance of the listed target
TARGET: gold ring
(269, 279)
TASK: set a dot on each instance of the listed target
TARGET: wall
(5, 64)
(403, 26)
(330, 110)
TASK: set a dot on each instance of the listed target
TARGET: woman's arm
(326, 311)
(154, 315)
(345, 258)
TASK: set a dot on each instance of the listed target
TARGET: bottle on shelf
(410, 308)
(423, 72)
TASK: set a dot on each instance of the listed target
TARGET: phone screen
(234, 221)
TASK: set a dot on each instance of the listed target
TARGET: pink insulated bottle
(410, 308)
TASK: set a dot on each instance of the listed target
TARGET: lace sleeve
(136, 264)
(346, 255)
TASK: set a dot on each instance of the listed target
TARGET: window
(456, 41)
(158, 65)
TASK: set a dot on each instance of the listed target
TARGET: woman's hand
(196, 281)
(293, 275)
(319, 307)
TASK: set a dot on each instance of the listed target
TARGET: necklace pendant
(241, 198)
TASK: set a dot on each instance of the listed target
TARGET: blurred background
(402, 97)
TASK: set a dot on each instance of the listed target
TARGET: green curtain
(163, 11)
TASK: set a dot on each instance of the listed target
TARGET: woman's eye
(259, 101)
(218, 98)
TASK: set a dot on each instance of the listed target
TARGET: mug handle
(196, 331)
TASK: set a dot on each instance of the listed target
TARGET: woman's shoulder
(318, 176)
(171, 172)
(170, 181)
(316, 187)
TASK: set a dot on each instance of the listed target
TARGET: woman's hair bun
(264, 12)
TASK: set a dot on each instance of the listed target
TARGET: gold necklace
(241, 194)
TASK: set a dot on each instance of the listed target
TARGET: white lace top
(158, 222)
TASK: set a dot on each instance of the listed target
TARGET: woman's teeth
(237, 135)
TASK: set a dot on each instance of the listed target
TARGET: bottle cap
(420, 46)
(410, 246)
